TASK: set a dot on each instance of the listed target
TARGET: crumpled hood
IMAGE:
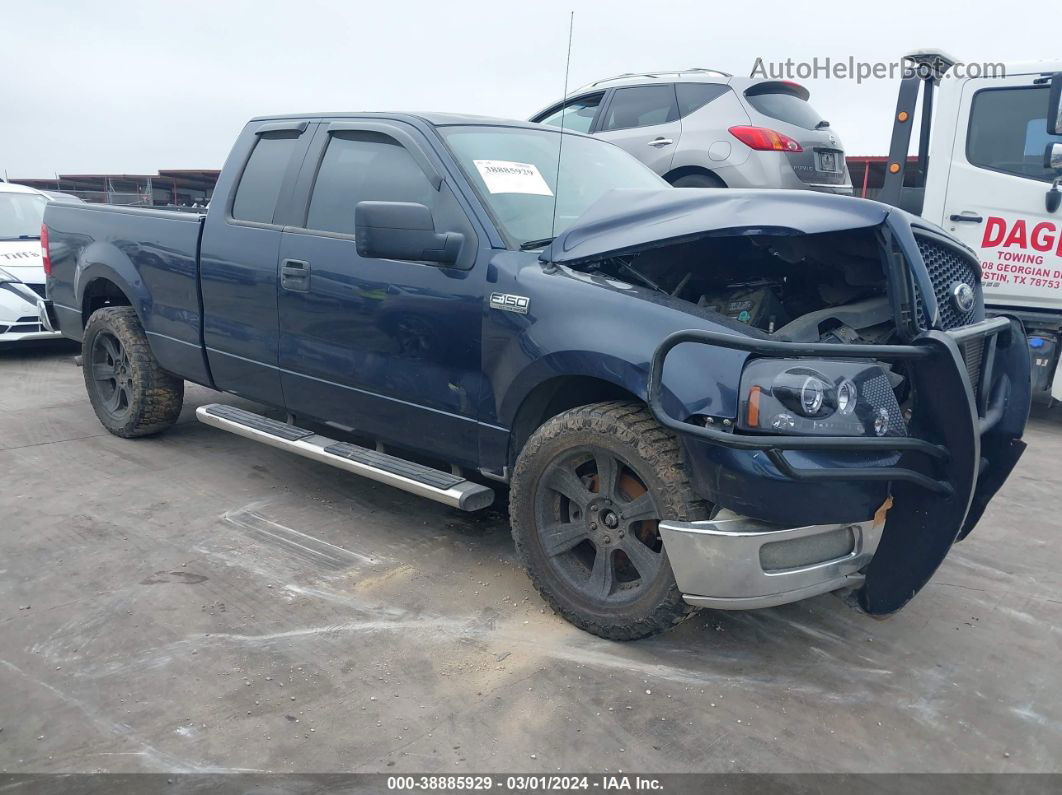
(626, 221)
(22, 259)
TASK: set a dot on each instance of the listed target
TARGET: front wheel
(131, 394)
(587, 495)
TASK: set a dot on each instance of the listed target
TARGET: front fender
(582, 325)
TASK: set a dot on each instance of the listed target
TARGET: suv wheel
(587, 495)
(698, 181)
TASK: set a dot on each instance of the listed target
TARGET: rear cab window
(786, 102)
(1008, 131)
(640, 106)
(263, 176)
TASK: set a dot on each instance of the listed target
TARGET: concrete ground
(197, 602)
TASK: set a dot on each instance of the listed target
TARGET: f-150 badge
(510, 303)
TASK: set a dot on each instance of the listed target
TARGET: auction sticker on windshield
(507, 176)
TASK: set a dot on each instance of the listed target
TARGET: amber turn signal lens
(754, 407)
(903, 115)
(894, 167)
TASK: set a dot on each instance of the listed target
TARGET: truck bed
(152, 255)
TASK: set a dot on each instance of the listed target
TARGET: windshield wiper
(531, 244)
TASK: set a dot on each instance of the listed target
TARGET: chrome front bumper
(736, 563)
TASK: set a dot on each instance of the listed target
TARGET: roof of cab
(432, 118)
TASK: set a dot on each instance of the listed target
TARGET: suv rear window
(694, 96)
(785, 105)
(1008, 131)
(259, 188)
(640, 106)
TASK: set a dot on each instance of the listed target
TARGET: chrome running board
(435, 484)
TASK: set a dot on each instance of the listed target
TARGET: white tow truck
(989, 170)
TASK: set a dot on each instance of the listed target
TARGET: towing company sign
(1021, 255)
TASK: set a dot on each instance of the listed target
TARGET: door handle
(968, 217)
(661, 142)
(295, 275)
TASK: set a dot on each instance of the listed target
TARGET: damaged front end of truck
(873, 412)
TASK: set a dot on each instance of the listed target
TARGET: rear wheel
(587, 495)
(131, 394)
(699, 181)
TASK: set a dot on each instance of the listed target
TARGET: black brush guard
(964, 440)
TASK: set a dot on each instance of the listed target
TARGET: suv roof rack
(655, 74)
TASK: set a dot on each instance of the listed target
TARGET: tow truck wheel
(131, 394)
(586, 497)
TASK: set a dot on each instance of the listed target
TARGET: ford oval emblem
(962, 296)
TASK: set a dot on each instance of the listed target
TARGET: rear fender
(102, 260)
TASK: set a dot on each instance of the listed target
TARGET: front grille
(947, 267)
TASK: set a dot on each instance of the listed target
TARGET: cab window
(640, 106)
(577, 115)
(363, 166)
(259, 188)
(1008, 131)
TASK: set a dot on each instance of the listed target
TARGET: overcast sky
(132, 87)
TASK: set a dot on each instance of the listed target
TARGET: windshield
(21, 215)
(515, 171)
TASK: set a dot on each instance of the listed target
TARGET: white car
(22, 314)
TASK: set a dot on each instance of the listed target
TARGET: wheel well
(555, 396)
(686, 171)
(98, 294)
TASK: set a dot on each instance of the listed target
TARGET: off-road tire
(153, 396)
(653, 453)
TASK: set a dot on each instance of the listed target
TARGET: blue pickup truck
(694, 398)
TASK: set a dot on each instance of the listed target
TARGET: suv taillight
(765, 140)
(45, 259)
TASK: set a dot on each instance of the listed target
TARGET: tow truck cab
(989, 169)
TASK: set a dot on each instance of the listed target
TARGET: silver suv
(701, 128)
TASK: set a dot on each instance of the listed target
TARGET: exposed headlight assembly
(818, 398)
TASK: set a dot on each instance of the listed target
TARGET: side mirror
(1053, 162)
(403, 231)
(1053, 157)
(1054, 105)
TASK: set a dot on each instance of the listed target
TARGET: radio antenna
(564, 111)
